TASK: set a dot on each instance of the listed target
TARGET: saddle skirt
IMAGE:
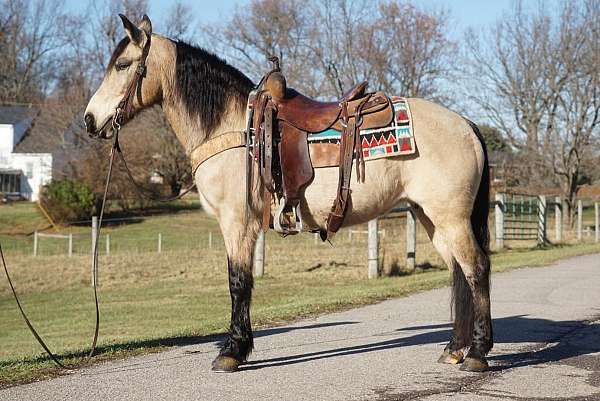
(397, 139)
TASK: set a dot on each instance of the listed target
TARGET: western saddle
(279, 122)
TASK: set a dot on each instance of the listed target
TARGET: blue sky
(464, 13)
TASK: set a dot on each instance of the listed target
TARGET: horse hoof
(225, 364)
(472, 364)
(452, 358)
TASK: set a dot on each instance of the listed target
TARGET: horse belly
(381, 191)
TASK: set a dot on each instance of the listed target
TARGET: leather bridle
(125, 109)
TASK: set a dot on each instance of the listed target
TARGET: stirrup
(287, 229)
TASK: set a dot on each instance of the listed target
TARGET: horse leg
(462, 308)
(239, 241)
(473, 276)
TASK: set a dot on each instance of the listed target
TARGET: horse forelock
(207, 85)
(121, 46)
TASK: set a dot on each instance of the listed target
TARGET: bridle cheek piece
(125, 110)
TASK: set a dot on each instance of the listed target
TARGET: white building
(22, 170)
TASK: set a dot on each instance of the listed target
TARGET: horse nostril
(90, 124)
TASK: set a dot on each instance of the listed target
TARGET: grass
(21, 218)
(150, 301)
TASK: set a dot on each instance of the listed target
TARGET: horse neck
(188, 127)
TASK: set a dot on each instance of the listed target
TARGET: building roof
(36, 138)
(15, 114)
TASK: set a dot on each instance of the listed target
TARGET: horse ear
(146, 25)
(132, 31)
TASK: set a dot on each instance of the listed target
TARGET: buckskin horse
(446, 180)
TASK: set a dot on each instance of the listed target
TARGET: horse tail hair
(481, 206)
(462, 298)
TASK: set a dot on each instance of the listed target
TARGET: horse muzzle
(93, 131)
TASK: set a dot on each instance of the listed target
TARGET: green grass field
(150, 301)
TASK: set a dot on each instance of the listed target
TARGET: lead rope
(85, 360)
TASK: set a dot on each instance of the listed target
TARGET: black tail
(462, 298)
(481, 207)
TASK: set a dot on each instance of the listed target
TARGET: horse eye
(122, 65)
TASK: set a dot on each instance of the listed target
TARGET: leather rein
(123, 113)
(32, 329)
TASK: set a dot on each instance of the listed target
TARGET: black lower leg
(462, 305)
(482, 341)
(239, 341)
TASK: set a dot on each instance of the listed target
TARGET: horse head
(131, 81)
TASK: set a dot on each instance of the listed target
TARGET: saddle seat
(312, 115)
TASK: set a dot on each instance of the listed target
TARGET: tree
(31, 37)
(326, 46)
(538, 84)
(262, 29)
(578, 107)
(493, 138)
(163, 149)
(178, 24)
(409, 50)
(106, 27)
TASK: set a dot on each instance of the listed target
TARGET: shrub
(68, 201)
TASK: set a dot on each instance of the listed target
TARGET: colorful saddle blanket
(394, 140)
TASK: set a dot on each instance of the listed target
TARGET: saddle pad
(394, 140)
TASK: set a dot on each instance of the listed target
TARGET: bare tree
(538, 83)
(337, 51)
(328, 45)
(409, 50)
(31, 36)
(106, 27)
(578, 112)
(165, 154)
(262, 29)
(179, 22)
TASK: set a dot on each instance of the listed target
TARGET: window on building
(29, 169)
(10, 182)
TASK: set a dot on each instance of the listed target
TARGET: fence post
(70, 245)
(210, 240)
(579, 219)
(159, 242)
(94, 237)
(411, 239)
(35, 243)
(597, 220)
(373, 253)
(499, 217)
(259, 255)
(558, 219)
(541, 220)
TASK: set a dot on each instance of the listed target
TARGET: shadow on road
(180, 341)
(513, 329)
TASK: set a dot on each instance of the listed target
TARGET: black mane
(206, 83)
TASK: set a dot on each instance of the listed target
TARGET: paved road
(547, 327)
